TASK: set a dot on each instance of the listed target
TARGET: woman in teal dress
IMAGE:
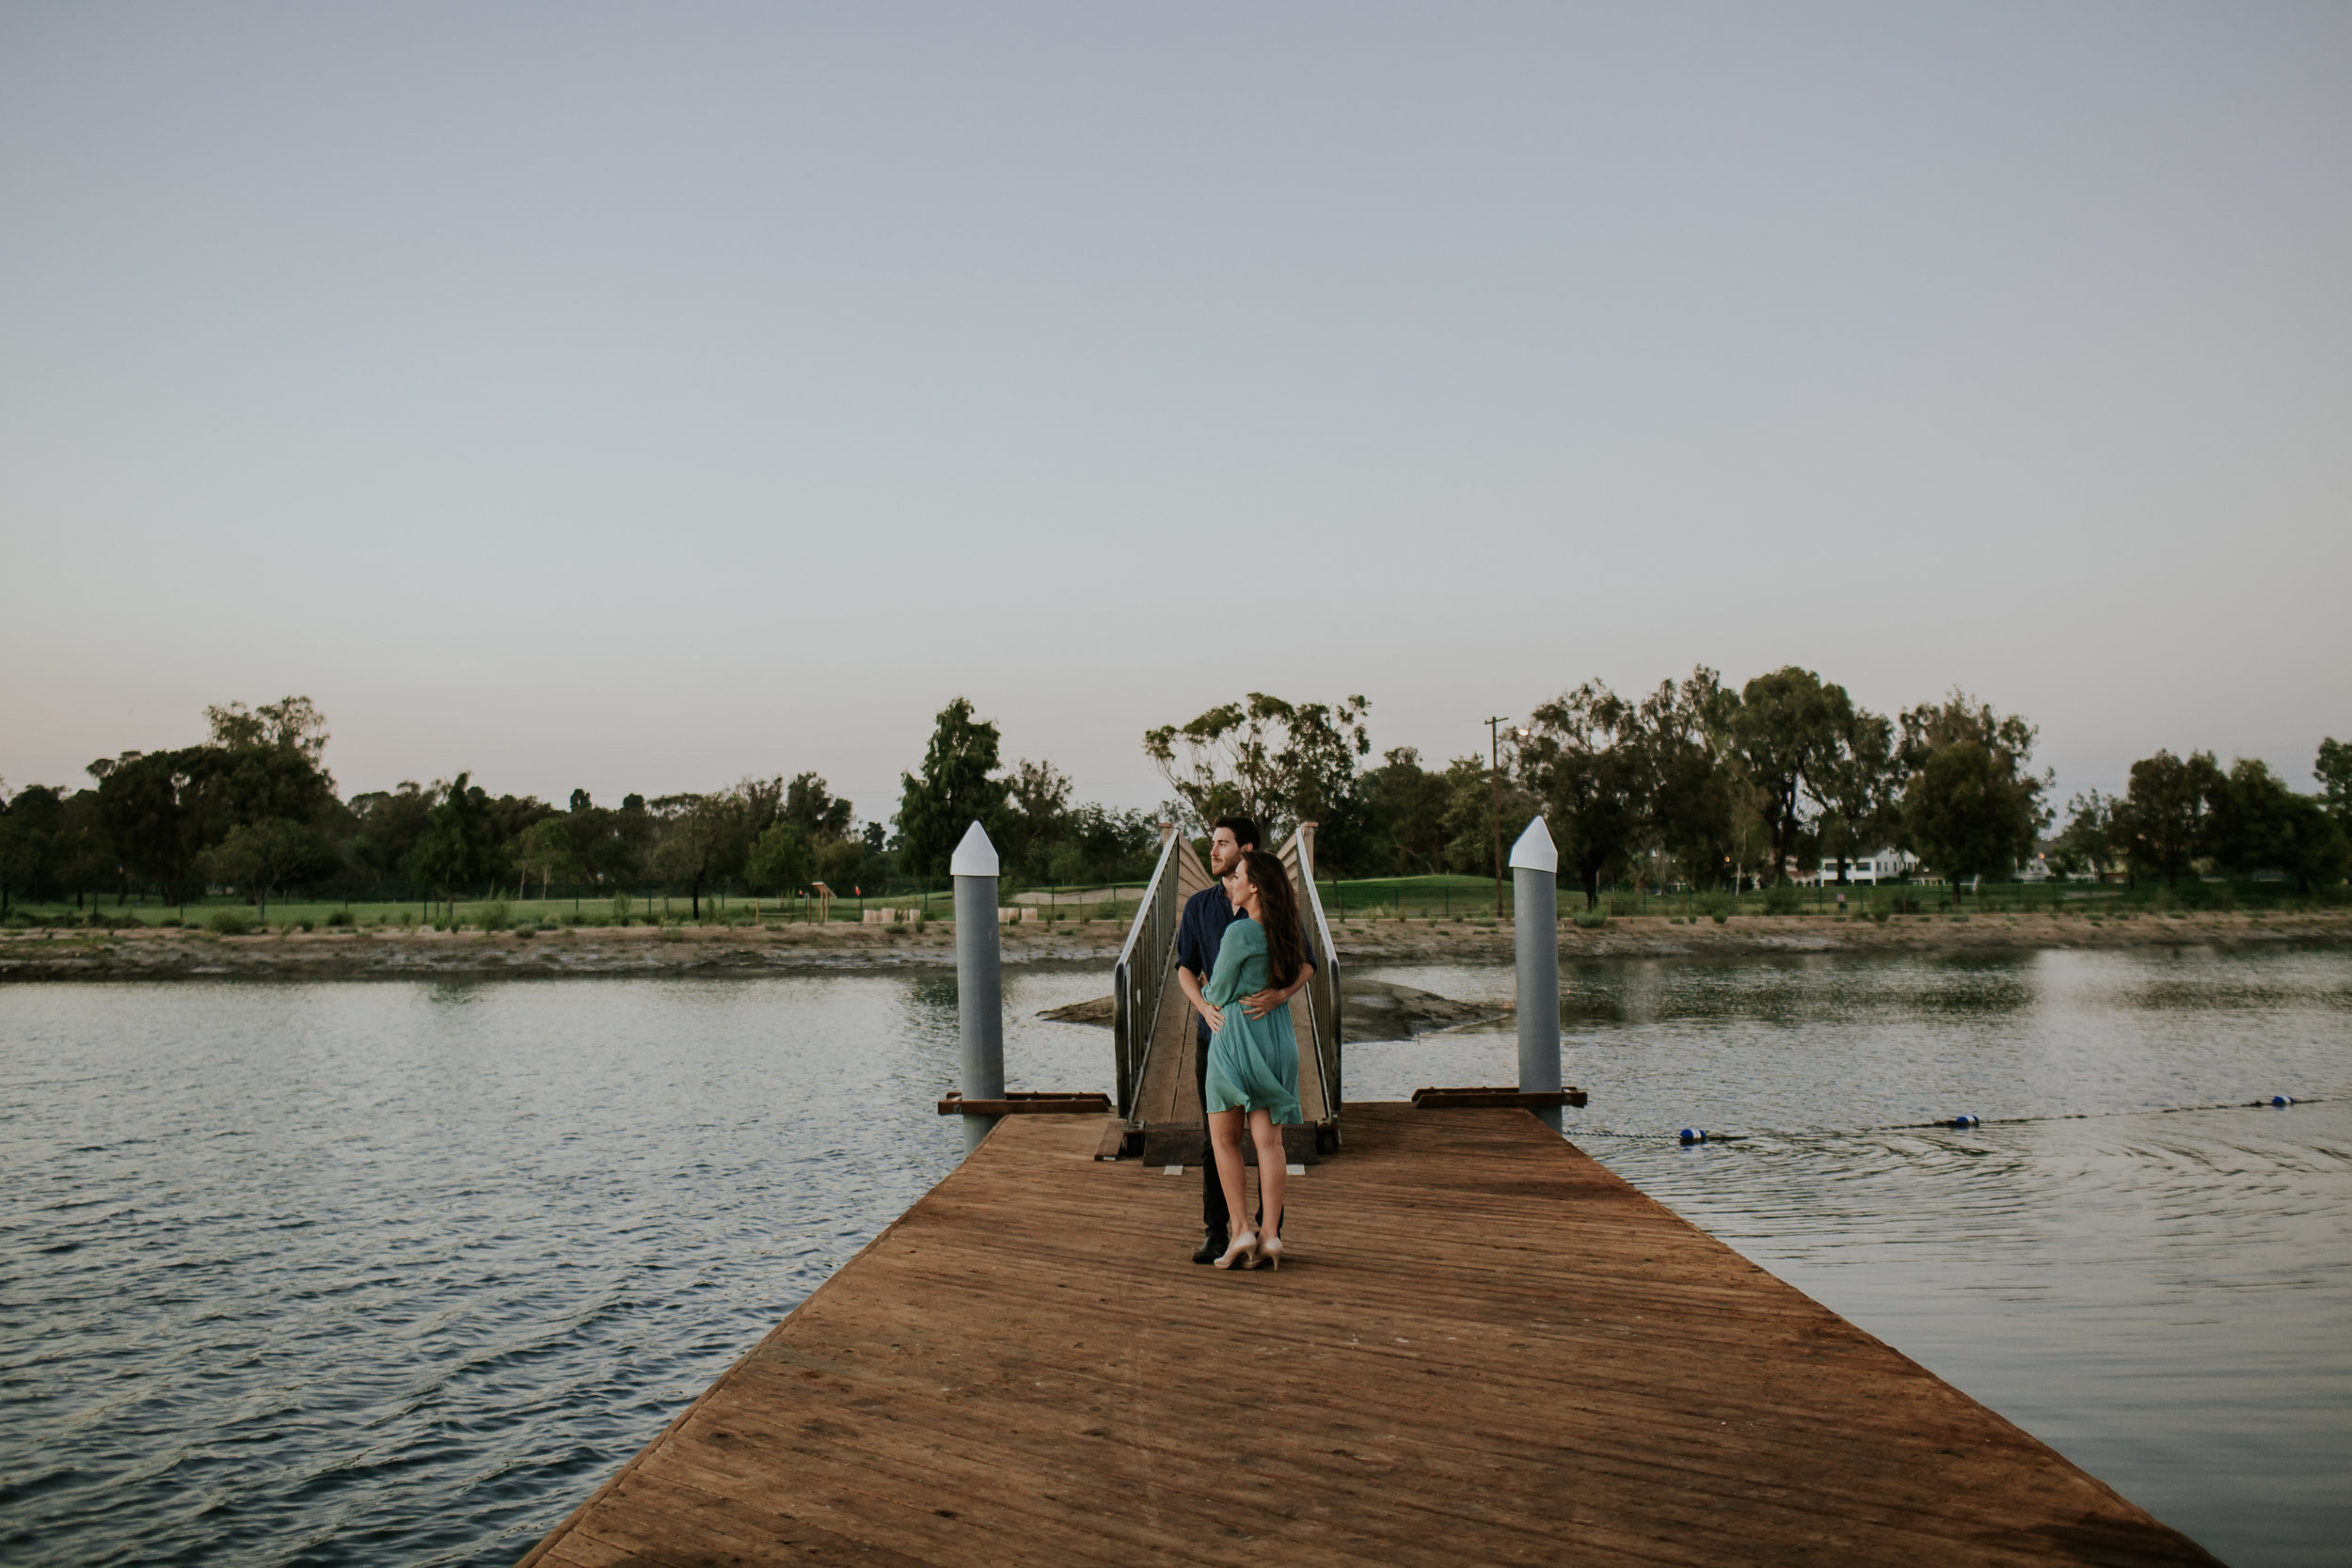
(1253, 1062)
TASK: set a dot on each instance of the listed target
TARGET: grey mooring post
(1535, 920)
(979, 979)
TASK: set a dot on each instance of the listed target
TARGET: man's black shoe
(1212, 1248)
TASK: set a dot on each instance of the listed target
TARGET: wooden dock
(1484, 1348)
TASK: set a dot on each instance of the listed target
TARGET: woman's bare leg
(1225, 1148)
(1273, 1173)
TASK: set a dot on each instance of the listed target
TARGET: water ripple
(396, 1273)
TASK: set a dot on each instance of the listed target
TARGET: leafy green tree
(2334, 772)
(955, 789)
(460, 842)
(1582, 761)
(703, 840)
(1470, 813)
(1400, 825)
(608, 847)
(1275, 761)
(809, 805)
(1782, 732)
(1036, 821)
(782, 860)
(2090, 842)
(160, 821)
(2010, 806)
(624, 852)
(2256, 824)
(291, 723)
(840, 864)
(544, 851)
(1102, 845)
(163, 809)
(261, 857)
(1854, 781)
(1690, 783)
(1965, 816)
(2316, 848)
(32, 827)
(390, 824)
(2164, 816)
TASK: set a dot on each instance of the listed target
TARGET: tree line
(1698, 785)
(1694, 784)
(255, 809)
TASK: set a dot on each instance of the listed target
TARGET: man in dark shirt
(1207, 913)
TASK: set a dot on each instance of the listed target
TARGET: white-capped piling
(1535, 920)
(979, 978)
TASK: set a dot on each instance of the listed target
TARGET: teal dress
(1253, 1062)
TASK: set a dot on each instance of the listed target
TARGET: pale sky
(639, 397)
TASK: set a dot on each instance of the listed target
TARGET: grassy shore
(390, 952)
(1412, 898)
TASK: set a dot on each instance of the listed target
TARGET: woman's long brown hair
(1277, 907)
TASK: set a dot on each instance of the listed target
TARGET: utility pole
(1494, 789)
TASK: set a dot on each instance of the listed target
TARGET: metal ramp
(1152, 1023)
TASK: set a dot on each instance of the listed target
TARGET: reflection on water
(2163, 1294)
(387, 1273)
(391, 1273)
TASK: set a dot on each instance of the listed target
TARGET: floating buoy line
(1693, 1136)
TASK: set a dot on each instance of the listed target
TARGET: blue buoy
(1695, 1134)
(1963, 1119)
(2282, 1100)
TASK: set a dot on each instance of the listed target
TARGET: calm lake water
(395, 1274)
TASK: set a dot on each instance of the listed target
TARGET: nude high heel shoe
(1245, 1248)
(1270, 1252)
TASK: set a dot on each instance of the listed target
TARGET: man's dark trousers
(1214, 1215)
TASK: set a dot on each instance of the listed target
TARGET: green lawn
(1383, 898)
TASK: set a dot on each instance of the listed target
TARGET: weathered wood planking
(1484, 1348)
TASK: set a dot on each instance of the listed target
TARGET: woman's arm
(1235, 951)
(1265, 1002)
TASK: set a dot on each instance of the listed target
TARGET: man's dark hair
(1244, 831)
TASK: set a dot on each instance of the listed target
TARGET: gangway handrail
(1323, 990)
(1141, 972)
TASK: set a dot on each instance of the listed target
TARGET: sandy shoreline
(164, 955)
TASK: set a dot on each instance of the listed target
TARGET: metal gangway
(1152, 1023)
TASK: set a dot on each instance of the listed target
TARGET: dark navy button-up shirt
(1201, 932)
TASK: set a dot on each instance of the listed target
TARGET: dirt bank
(164, 955)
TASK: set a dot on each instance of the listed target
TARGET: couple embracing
(1241, 955)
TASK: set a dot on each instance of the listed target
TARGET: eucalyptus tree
(390, 823)
(2165, 817)
(1971, 804)
(261, 857)
(957, 787)
(1852, 781)
(2333, 770)
(1402, 817)
(1277, 762)
(703, 841)
(1964, 815)
(2257, 824)
(809, 804)
(460, 845)
(1582, 760)
(2091, 840)
(32, 833)
(544, 851)
(291, 723)
(1782, 732)
(1691, 786)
